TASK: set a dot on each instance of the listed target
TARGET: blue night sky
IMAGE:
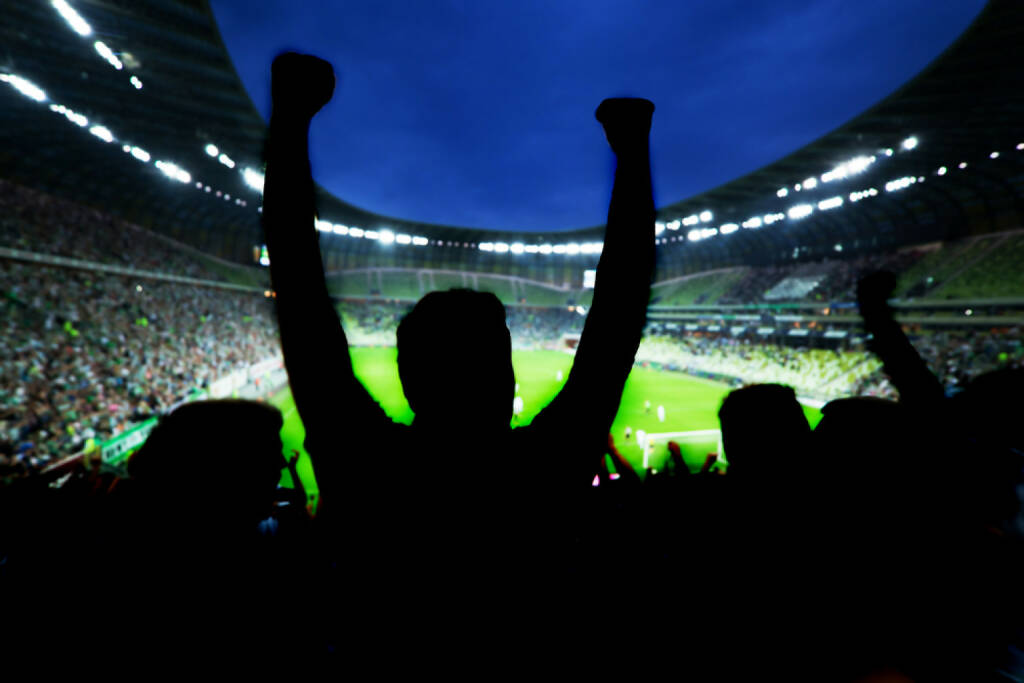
(480, 112)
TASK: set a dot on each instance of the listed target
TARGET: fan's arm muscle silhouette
(614, 325)
(314, 344)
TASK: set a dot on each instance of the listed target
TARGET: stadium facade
(156, 128)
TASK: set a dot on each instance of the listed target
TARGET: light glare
(24, 86)
(102, 133)
(74, 19)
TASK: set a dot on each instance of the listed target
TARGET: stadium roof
(176, 92)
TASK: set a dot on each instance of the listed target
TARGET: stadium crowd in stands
(955, 356)
(85, 355)
(38, 222)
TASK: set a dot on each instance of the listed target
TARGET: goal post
(695, 446)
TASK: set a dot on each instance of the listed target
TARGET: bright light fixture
(108, 54)
(102, 133)
(25, 87)
(74, 19)
(800, 211)
(253, 179)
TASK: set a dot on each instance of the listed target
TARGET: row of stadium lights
(255, 179)
(852, 167)
(82, 28)
(168, 168)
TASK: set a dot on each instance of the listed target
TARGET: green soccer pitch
(691, 405)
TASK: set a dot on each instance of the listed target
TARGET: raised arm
(909, 373)
(314, 343)
(615, 323)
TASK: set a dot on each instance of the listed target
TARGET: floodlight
(24, 86)
(572, 249)
(900, 183)
(518, 248)
(993, 155)
(226, 160)
(371, 234)
(74, 19)
(691, 220)
(323, 226)
(782, 192)
(909, 143)
(559, 249)
(659, 227)
(941, 171)
(340, 229)
(1020, 146)
(387, 237)
(888, 152)
(705, 216)
(136, 82)
(102, 133)
(140, 154)
(486, 246)
(754, 222)
(355, 232)
(212, 150)
(693, 235)
(546, 249)
(108, 54)
(810, 183)
(673, 225)
(403, 239)
(830, 203)
(173, 171)
(800, 211)
(253, 179)
(963, 165)
(532, 248)
(420, 241)
(728, 228)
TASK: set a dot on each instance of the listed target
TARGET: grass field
(691, 404)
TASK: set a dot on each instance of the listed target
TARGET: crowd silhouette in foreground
(883, 545)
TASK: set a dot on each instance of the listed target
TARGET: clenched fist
(300, 85)
(627, 122)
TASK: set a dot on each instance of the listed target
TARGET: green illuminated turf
(691, 404)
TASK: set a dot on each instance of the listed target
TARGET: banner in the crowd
(121, 446)
(117, 450)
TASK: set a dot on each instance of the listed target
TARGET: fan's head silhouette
(455, 360)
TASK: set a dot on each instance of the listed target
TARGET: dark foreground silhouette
(440, 492)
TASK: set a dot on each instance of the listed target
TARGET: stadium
(130, 220)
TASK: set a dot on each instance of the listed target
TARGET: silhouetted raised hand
(300, 85)
(908, 372)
